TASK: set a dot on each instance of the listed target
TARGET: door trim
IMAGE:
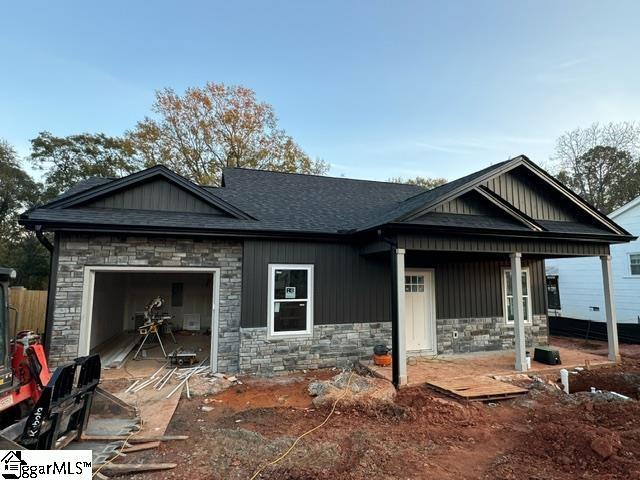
(430, 308)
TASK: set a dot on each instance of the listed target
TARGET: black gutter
(194, 232)
(510, 233)
(344, 234)
(53, 279)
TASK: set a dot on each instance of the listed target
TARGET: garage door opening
(119, 322)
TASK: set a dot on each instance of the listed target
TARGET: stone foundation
(486, 334)
(78, 251)
(329, 346)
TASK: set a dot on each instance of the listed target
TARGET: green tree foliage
(605, 176)
(19, 249)
(17, 193)
(425, 182)
(206, 129)
(67, 160)
(601, 163)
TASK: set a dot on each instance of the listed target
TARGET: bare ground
(543, 435)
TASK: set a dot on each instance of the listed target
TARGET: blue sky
(375, 88)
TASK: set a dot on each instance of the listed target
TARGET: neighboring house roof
(625, 208)
(260, 201)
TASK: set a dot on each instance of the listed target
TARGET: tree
(67, 160)
(600, 163)
(19, 249)
(604, 176)
(206, 129)
(425, 182)
(17, 193)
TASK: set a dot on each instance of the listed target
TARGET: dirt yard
(545, 434)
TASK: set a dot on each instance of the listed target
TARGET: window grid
(508, 296)
(634, 263)
(414, 283)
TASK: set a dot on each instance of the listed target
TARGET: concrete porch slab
(444, 367)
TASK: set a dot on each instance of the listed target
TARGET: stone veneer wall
(485, 334)
(330, 346)
(77, 251)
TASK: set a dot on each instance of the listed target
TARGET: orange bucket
(382, 360)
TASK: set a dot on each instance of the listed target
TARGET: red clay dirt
(543, 435)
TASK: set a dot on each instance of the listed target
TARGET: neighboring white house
(579, 280)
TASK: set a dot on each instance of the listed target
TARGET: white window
(508, 296)
(290, 300)
(634, 263)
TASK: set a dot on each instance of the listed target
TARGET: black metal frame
(62, 412)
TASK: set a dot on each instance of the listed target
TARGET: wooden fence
(32, 306)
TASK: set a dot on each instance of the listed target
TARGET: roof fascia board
(544, 235)
(157, 171)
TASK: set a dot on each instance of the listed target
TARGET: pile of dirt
(592, 440)
(422, 402)
(351, 389)
(626, 383)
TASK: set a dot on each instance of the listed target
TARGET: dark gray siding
(480, 244)
(475, 289)
(529, 194)
(470, 203)
(349, 287)
(157, 194)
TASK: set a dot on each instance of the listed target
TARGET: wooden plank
(134, 438)
(121, 468)
(476, 388)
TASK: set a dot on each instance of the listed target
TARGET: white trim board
(86, 314)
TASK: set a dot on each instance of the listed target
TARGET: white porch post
(610, 310)
(402, 325)
(518, 311)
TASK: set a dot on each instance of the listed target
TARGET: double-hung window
(634, 264)
(508, 295)
(290, 300)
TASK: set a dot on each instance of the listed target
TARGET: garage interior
(119, 323)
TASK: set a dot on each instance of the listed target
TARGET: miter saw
(154, 322)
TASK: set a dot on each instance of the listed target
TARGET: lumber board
(141, 446)
(120, 468)
(476, 388)
(134, 438)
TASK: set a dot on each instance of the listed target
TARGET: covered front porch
(455, 306)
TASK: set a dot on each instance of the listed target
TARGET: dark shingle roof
(293, 203)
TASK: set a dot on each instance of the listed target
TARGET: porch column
(399, 334)
(518, 311)
(610, 310)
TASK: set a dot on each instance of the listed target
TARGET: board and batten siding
(354, 288)
(475, 289)
(159, 195)
(525, 191)
(348, 287)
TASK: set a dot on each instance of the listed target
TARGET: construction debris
(360, 390)
(121, 468)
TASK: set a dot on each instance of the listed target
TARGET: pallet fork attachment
(61, 414)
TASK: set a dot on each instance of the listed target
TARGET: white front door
(420, 310)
